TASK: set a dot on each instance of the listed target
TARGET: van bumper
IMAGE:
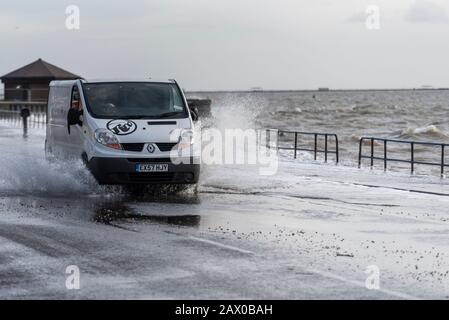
(118, 171)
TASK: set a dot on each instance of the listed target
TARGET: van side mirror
(74, 117)
(194, 114)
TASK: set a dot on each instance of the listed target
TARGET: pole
(25, 113)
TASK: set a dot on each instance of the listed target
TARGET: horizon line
(315, 90)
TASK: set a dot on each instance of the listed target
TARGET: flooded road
(311, 231)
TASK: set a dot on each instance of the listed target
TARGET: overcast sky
(236, 44)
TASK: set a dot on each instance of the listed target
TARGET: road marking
(218, 244)
(362, 284)
(318, 272)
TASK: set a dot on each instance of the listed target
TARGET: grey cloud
(359, 17)
(426, 11)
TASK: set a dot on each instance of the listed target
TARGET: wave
(429, 131)
(357, 138)
(293, 111)
(371, 109)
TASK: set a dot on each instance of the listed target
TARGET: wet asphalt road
(309, 232)
(158, 256)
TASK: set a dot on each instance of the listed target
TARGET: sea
(409, 115)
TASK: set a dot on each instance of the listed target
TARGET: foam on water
(426, 131)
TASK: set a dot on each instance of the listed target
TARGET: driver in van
(76, 109)
(76, 102)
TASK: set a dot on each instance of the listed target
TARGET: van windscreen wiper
(156, 116)
(138, 117)
(168, 114)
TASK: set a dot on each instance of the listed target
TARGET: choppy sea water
(418, 115)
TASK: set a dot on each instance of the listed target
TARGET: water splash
(24, 169)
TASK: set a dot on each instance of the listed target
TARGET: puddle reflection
(110, 212)
(112, 206)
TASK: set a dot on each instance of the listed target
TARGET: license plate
(153, 167)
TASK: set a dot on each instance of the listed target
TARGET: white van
(126, 132)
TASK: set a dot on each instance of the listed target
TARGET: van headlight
(107, 138)
(185, 139)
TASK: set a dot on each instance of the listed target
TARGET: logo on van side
(121, 127)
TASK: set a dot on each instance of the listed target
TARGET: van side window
(74, 115)
(76, 100)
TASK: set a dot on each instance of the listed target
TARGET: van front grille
(136, 147)
(166, 146)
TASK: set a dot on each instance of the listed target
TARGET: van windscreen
(134, 100)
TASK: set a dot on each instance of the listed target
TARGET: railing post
(277, 142)
(325, 147)
(25, 113)
(316, 146)
(336, 148)
(296, 142)
(360, 152)
(257, 140)
(412, 160)
(442, 160)
(267, 138)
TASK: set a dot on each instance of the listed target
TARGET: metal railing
(11, 113)
(412, 160)
(326, 138)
